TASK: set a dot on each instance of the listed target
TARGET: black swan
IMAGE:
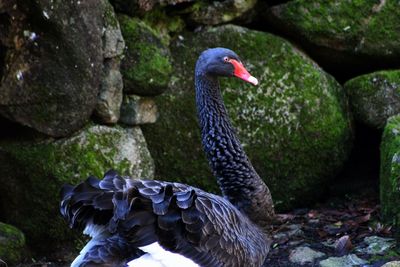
(156, 223)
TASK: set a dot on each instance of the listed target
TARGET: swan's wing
(201, 226)
(111, 251)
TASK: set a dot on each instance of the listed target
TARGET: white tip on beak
(253, 80)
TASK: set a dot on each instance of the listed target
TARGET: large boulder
(34, 171)
(12, 244)
(295, 125)
(53, 64)
(375, 97)
(344, 32)
(146, 67)
(390, 172)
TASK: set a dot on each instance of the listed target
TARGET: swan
(164, 224)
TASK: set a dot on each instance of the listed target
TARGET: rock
(292, 230)
(137, 110)
(135, 7)
(218, 12)
(53, 69)
(164, 18)
(12, 244)
(390, 171)
(304, 255)
(345, 261)
(375, 97)
(377, 245)
(110, 94)
(392, 264)
(146, 67)
(344, 32)
(113, 42)
(294, 125)
(33, 173)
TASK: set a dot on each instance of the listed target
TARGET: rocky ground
(341, 232)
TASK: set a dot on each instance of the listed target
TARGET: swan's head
(223, 62)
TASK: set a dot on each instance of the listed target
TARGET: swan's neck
(238, 180)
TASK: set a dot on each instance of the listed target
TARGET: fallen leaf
(343, 245)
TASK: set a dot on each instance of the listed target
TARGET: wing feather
(203, 227)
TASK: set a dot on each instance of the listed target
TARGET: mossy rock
(218, 12)
(375, 97)
(164, 23)
(12, 244)
(390, 172)
(163, 19)
(370, 28)
(51, 80)
(295, 126)
(392, 264)
(33, 173)
(146, 67)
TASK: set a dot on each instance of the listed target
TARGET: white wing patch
(158, 257)
(155, 255)
(97, 232)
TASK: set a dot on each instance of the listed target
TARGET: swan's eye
(226, 59)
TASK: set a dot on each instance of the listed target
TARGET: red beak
(242, 73)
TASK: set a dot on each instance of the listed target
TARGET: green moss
(390, 172)
(40, 169)
(164, 24)
(146, 68)
(389, 255)
(155, 68)
(110, 18)
(375, 97)
(218, 12)
(295, 125)
(12, 244)
(367, 27)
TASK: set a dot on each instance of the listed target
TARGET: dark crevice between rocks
(275, 2)
(361, 172)
(3, 51)
(4, 29)
(13, 131)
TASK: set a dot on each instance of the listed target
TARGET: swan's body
(130, 220)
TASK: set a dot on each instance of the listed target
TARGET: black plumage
(208, 229)
(196, 224)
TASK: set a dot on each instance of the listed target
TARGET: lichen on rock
(136, 110)
(110, 92)
(348, 32)
(218, 12)
(35, 171)
(295, 126)
(375, 97)
(146, 67)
